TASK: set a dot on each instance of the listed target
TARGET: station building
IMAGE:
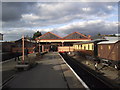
(52, 42)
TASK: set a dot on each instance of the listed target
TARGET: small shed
(110, 50)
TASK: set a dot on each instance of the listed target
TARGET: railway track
(92, 80)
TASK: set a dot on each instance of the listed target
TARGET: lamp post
(23, 44)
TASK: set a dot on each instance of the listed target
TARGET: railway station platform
(51, 72)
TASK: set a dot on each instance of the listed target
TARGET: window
(79, 47)
(76, 46)
(84, 47)
(109, 47)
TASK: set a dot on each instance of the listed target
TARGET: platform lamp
(23, 46)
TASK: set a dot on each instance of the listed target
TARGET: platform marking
(83, 83)
(7, 81)
(6, 61)
(12, 59)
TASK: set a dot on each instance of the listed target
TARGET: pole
(39, 47)
(23, 44)
(69, 47)
(62, 44)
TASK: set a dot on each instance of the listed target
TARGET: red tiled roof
(47, 36)
(70, 35)
(74, 35)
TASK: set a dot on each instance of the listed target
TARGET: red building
(7, 46)
(29, 44)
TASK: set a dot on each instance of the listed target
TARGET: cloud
(60, 18)
(91, 27)
(13, 10)
(30, 17)
(65, 12)
(16, 33)
(55, 13)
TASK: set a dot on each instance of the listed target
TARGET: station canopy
(73, 37)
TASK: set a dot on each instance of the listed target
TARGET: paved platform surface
(51, 72)
(7, 68)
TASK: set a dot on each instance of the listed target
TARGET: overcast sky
(63, 18)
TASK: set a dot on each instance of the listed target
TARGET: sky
(61, 18)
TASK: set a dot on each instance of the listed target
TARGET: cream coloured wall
(65, 48)
(63, 40)
(88, 46)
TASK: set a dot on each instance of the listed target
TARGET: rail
(91, 79)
